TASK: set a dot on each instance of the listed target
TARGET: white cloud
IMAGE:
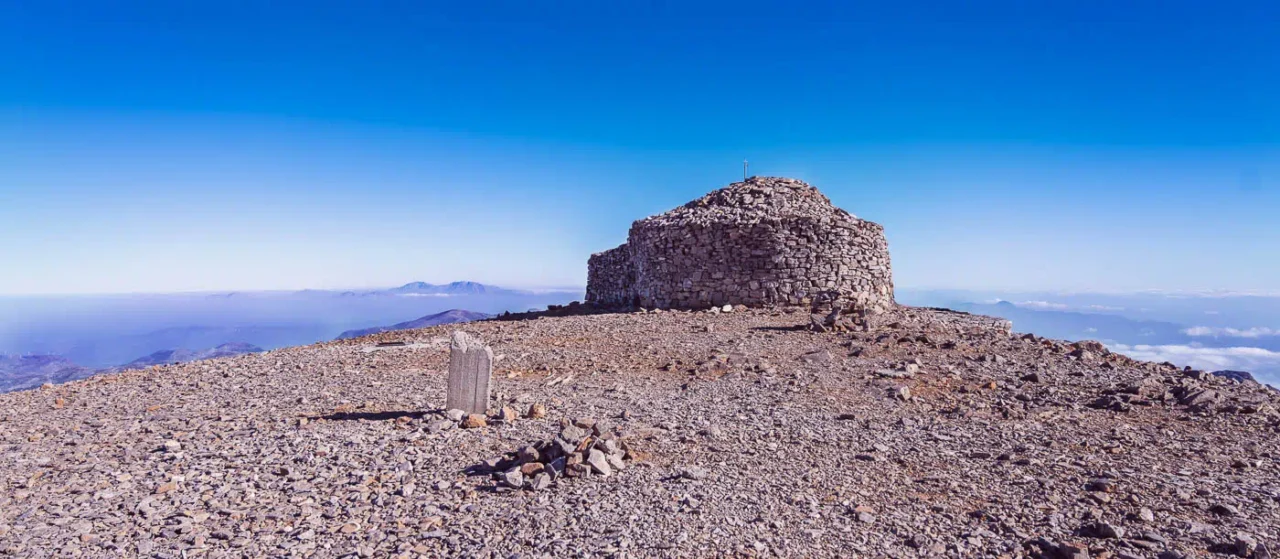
(1261, 362)
(1105, 308)
(1042, 305)
(1255, 332)
(1052, 306)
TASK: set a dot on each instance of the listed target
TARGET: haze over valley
(69, 337)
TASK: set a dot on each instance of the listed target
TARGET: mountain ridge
(451, 316)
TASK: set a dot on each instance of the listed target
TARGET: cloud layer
(1255, 332)
(1265, 364)
(1042, 305)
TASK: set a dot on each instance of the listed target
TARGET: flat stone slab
(470, 369)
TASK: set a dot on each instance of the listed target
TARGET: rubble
(733, 438)
(583, 448)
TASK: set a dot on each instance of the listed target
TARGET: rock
(1238, 376)
(172, 446)
(1102, 530)
(1105, 485)
(573, 434)
(599, 462)
(513, 478)
(540, 482)
(1031, 377)
(507, 414)
(1071, 551)
(1245, 545)
(473, 421)
(560, 458)
(615, 461)
(555, 468)
(902, 393)
(455, 415)
(565, 447)
(1111, 402)
(1201, 400)
(470, 372)
(1224, 509)
(978, 473)
(819, 356)
(536, 411)
(527, 454)
(693, 473)
(726, 308)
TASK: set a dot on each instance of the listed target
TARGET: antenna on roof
(744, 169)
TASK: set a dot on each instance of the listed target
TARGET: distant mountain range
(1074, 325)
(422, 288)
(170, 356)
(447, 317)
(65, 338)
(32, 371)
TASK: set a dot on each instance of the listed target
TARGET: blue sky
(161, 146)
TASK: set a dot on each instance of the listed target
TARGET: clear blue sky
(170, 146)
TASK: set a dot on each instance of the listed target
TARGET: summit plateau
(693, 410)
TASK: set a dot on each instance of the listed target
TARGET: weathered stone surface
(748, 462)
(765, 241)
(470, 370)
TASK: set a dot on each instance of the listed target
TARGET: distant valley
(56, 339)
(31, 371)
(170, 356)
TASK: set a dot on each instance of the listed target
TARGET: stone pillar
(470, 368)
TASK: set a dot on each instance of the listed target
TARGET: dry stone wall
(765, 241)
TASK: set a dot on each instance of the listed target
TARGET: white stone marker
(470, 368)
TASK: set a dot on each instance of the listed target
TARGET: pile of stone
(832, 311)
(505, 414)
(583, 448)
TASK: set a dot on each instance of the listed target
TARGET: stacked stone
(765, 241)
(582, 448)
(613, 277)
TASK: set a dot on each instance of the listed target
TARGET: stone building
(766, 241)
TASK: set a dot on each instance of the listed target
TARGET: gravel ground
(932, 434)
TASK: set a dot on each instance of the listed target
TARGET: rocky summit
(729, 432)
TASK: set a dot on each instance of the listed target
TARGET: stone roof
(753, 200)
